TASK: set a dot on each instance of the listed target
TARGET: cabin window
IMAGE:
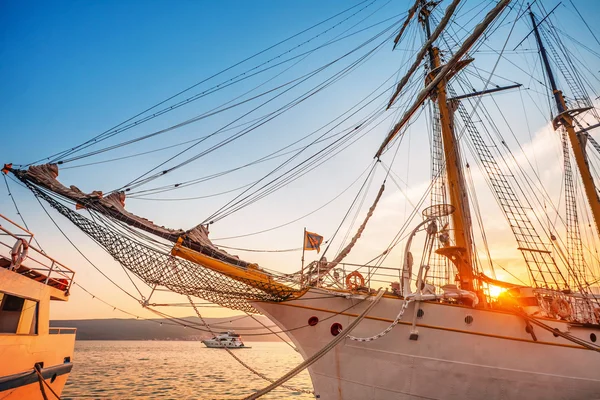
(18, 315)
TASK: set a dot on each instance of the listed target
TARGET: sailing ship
(444, 328)
(36, 358)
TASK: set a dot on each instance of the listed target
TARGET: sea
(180, 370)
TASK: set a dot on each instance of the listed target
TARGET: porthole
(593, 337)
(469, 319)
(555, 333)
(420, 313)
(312, 321)
(53, 378)
(336, 328)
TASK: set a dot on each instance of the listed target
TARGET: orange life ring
(561, 307)
(18, 253)
(62, 284)
(354, 280)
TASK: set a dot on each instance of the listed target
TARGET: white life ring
(561, 307)
(18, 253)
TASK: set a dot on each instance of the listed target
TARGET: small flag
(312, 241)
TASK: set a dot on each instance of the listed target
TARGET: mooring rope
(315, 357)
(43, 382)
(249, 368)
(556, 331)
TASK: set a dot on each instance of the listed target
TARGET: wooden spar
(589, 128)
(411, 14)
(481, 93)
(438, 30)
(422, 96)
(577, 140)
(461, 253)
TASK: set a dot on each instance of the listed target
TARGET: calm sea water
(178, 370)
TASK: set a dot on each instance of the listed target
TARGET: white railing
(373, 277)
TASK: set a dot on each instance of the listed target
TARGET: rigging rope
(315, 357)
(155, 267)
(249, 368)
(114, 130)
(12, 198)
(146, 177)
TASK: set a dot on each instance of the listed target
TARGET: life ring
(62, 284)
(354, 280)
(561, 307)
(18, 253)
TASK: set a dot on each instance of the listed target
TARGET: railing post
(49, 272)
(318, 274)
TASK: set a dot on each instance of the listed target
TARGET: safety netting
(157, 267)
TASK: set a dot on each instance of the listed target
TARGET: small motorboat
(229, 339)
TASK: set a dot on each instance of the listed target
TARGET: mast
(577, 140)
(461, 253)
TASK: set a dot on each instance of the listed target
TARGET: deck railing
(62, 331)
(37, 264)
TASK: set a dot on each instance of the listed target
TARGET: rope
(19, 212)
(386, 330)
(42, 382)
(565, 335)
(315, 357)
(249, 368)
(261, 250)
(118, 128)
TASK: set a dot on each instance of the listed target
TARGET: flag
(312, 241)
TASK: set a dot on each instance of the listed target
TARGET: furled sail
(445, 72)
(113, 206)
(212, 274)
(440, 28)
(411, 14)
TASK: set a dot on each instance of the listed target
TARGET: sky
(72, 70)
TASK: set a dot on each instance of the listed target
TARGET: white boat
(35, 359)
(444, 329)
(229, 339)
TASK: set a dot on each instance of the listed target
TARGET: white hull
(225, 340)
(212, 344)
(491, 358)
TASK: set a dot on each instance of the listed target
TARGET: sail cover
(113, 206)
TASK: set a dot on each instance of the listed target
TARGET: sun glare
(495, 291)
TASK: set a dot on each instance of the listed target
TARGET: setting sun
(495, 291)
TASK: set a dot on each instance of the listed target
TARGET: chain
(386, 330)
(249, 368)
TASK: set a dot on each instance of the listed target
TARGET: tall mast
(565, 118)
(461, 252)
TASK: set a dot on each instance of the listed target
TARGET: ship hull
(457, 353)
(211, 344)
(27, 385)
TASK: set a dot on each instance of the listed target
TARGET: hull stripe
(434, 327)
(26, 378)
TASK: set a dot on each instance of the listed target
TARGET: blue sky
(73, 69)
